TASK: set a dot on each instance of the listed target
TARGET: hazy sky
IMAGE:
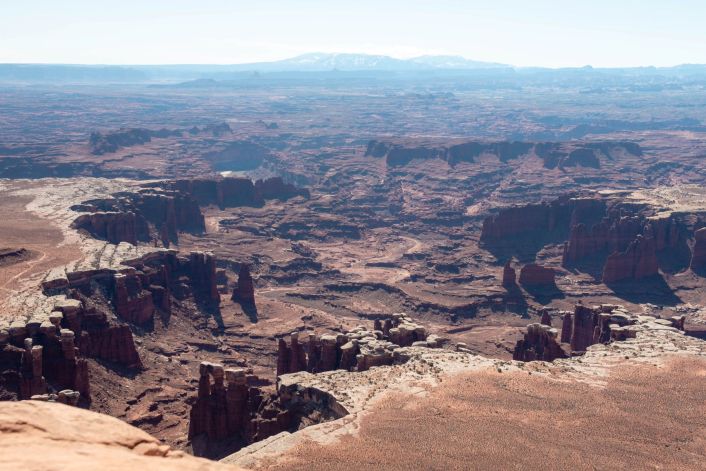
(519, 32)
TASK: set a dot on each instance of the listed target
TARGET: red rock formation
(45, 360)
(236, 191)
(170, 212)
(276, 188)
(638, 261)
(537, 275)
(539, 344)
(567, 322)
(202, 272)
(358, 349)
(546, 318)
(582, 329)
(509, 276)
(516, 221)
(132, 303)
(666, 231)
(698, 252)
(115, 227)
(245, 290)
(606, 236)
(297, 356)
(113, 343)
(229, 407)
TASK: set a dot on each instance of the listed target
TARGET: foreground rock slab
(41, 436)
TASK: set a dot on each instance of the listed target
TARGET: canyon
(275, 275)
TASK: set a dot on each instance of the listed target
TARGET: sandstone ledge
(359, 392)
(48, 436)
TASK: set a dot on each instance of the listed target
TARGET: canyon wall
(553, 154)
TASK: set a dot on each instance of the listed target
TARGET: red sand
(646, 418)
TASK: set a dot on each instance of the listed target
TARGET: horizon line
(497, 65)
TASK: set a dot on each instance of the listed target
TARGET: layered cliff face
(584, 327)
(92, 315)
(606, 236)
(539, 343)
(233, 191)
(698, 256)
(544, 218)
(162, 210)
(638, 261)
(610, 236)
(115, 227)
(48, 356)
(231, 411)
(146, 215)
(537, 275)
(356, 350)
(553, 154)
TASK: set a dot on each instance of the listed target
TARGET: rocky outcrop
(230, 407)
(244, 292)
(160, 210)
(356, 350)
(106, 143)
(509, 276)
(40, 358)
(637, 262)
(584, 327)
(234, 191)
(201, 270)
(585, 154)
(91, 317)
(553, 154)
(544, 218)
(518, 221)
(567, 330)
(698, 252)
(132, 301)
(40, 435)
(12, 255)
(584, 321)
(276, 189)
(539, 343)
(546, 317)
(537, 275)
(597, 324)
(115, 227)
(608, 236)
(146, 215)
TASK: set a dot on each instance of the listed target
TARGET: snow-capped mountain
(319, 61)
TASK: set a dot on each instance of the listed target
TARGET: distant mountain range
(318, 65)
(321, 62)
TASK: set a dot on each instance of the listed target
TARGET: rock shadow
(250, 310)
(652, 290)
(544, 294)
(524, 247)
(515, 301)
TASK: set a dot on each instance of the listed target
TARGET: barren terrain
(156, 239)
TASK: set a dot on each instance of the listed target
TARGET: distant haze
(548, 33)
